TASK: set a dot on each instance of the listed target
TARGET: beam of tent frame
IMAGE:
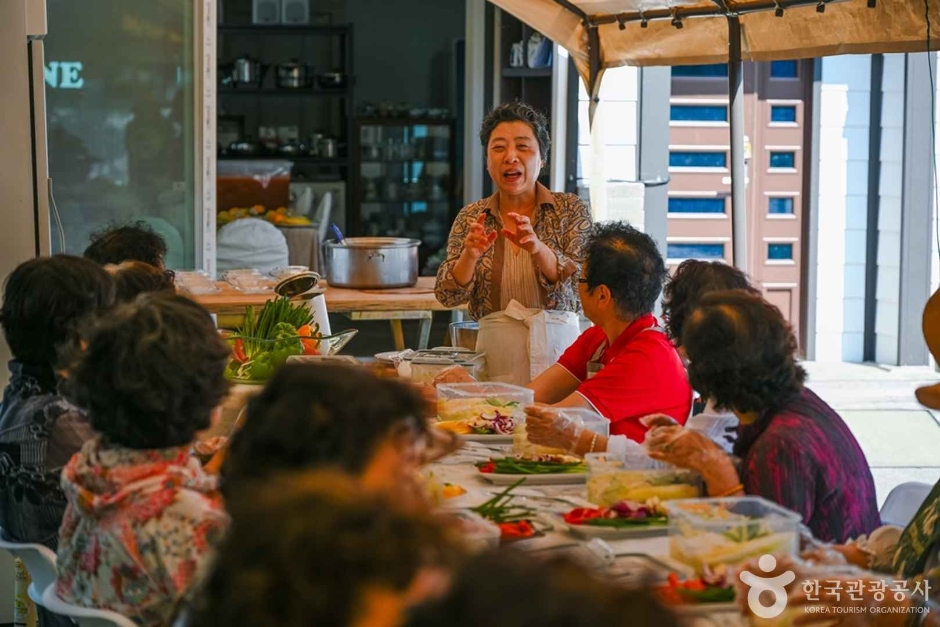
(736, 130)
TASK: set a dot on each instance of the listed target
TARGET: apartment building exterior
(699, 226)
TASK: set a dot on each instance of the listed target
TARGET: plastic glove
(694, 451)
(658, 420)
(549, 427)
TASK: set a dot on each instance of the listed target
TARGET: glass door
(120, 92)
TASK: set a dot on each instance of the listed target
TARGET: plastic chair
(84, 616)
(40, 562)
(903, 502)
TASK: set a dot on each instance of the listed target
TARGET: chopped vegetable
(533, 465)
(619, 515)
(510, 518)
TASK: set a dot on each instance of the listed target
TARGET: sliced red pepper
(581, 515)
(310, 346)
(696, 585)
(305, 331)
(487, 468)
(520, 529)
(238, 351)
(673, 580)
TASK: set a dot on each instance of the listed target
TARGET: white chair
(903, 502)
(39, 561)
(251, 243)
(83, 616)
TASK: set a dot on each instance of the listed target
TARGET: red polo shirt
(641, 374)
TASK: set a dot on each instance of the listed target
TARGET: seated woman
(142, 514)
(314, 548)
(43, 301)
(135, 241)
(692, 280)
(523, 243)
(795, 450)
(328, 416)
(133, 278)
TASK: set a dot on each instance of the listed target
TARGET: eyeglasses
(582, 280)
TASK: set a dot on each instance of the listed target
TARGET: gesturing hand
(524, 236)
(478, 240)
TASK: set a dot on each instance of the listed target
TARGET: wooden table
(409, 303)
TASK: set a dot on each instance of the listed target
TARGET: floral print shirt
(562, 222)
(138, 529)
(39, 433)
(805, 458)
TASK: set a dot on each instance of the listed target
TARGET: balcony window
(687, 159)
(780, 252)
(695, 251)
(783, 160)
(696, 205)
(780, 206)
(698, 113)
(783, 114)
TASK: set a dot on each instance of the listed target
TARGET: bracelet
(593, 442)
(739, 487)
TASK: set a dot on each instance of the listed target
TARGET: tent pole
(738, 169)
(594, 71)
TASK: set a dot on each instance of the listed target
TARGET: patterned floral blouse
(805, 458)
(562, 222)
(139, 528)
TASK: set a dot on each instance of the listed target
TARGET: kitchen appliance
(294, 75)
(372, 262)
(332, 80)
(245, 148)
(464, 334)
(295, 12)
(328, 148)
(243, 71)
(292, 148)
(265, 11)
(314, 144)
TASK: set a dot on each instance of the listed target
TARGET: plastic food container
(255, 361)
(710, 532)
(636, 477)
(195, 282)
(585, 418)
(247, 183)
(479, 533)
(425, 365)
(463, 401)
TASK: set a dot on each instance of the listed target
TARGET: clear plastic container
(466, 401)
(479, 533)
(425, 365)
(582, 417)
(250, 183)
(196, 282)
(636, 477)
(710, 532)
(255, 361)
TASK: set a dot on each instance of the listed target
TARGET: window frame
(672, 260)
(791, 123)
(796, 67)
(698, 122)
(692, 150)
(698, 214)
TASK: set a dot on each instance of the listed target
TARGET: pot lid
(297, 285)
(375, 242)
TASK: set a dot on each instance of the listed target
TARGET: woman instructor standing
(524, 242)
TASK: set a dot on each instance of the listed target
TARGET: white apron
(520, 343)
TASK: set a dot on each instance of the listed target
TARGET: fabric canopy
(850, 27)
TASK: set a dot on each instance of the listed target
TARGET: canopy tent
(600, 34)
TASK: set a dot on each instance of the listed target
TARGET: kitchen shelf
(266, 91)
(403, 161)
(278, 29)
(527, 72)
(390, 121)
(341, 162)
(405, 202)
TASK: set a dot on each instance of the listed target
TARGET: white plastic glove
(549, 427)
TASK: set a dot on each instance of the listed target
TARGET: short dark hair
(152, 372)
(44, 300)
(742, 352)
(304, 547)
(508, 589)
(692, 280)
(133, 278)
(134, 241)
(627, 261)
(314, 416)
(518, 112)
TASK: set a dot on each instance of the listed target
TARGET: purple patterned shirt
(806, 459)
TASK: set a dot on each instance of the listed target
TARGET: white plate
(706, 608)
(561, 478)
(588, 532)
(486, 439)
(387, 357)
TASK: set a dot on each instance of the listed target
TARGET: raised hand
(478, 240)
(524, 236)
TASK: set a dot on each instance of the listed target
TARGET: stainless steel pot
(372, 262)
(246, 71)
(294, 75)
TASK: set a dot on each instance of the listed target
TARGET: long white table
(459, 469)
